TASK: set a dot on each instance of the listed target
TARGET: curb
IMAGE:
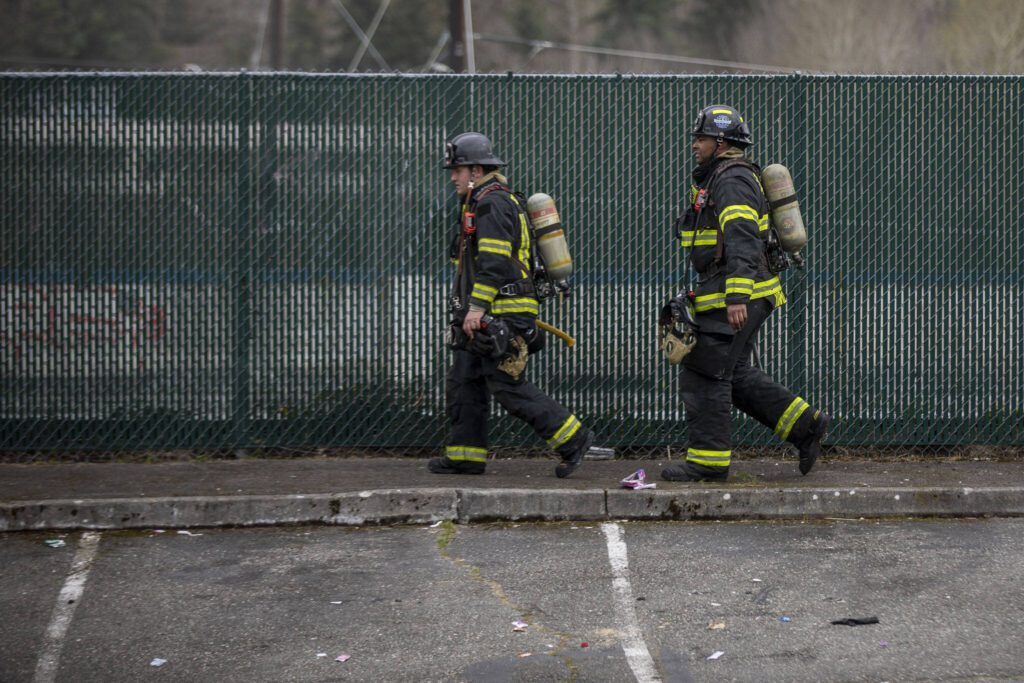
(428, 505)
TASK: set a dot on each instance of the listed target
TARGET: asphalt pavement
(650, 602)
(378, 490)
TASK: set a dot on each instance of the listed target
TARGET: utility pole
(574, 28)
(277, 21)
(467, 19)
(457, 31)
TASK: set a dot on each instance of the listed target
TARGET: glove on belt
(678, 329)
(455, 339)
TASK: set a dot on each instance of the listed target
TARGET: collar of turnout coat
(701, 173)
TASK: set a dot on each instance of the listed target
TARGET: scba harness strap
(706, 191)
(773, 258)
(518, 287)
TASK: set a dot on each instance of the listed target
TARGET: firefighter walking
(726, 233)
(494, 308)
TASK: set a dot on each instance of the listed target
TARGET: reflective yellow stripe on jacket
(699, 238)
(735, 211)
(523, 304)
(758, 290)
(739, 285)
(523, 254)
(483, 292)
(500, 247)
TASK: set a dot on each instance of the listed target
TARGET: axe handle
(551, 329)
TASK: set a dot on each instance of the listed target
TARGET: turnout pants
(717, 375)
(471, 382)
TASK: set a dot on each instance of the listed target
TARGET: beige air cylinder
(551, 243)
(778, 188)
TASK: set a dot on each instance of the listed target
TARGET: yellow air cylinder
(778, 188)
(551, 244)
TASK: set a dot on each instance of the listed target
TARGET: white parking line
(637, 656)
(67, 601)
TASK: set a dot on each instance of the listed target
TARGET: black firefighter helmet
(722, 122)
(470, 149)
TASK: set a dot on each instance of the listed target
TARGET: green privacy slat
(235, 260)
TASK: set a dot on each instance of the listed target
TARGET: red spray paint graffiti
(66, 317)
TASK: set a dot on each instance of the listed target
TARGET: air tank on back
(789, 223)
(554, 251)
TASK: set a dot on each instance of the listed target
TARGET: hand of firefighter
(472, 321)
(737, 315)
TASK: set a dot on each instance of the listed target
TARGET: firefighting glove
(666, 317)
(534, 340)
(678, 329)
(678, 309)
(455, 338)
(491, 341)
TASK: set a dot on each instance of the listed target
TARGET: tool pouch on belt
(676, 344)
(514, 364)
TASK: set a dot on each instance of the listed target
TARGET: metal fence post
(797, 335)
(240, 274)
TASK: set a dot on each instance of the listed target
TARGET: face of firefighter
(462, 176)
(705, 148)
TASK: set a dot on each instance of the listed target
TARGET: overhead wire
(539, 45)
(257, 54)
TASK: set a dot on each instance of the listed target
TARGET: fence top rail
(304, 75)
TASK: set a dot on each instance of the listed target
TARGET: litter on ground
(861, 621)
(637, 480)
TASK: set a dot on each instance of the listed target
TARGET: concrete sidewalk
(357, 491)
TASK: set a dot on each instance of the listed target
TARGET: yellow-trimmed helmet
(722, 122)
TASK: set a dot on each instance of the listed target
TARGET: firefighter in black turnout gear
(494, 313)
(726, 233)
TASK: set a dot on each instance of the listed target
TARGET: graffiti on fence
(65, 318)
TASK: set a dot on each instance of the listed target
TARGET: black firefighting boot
(443, 465)
(691, 471)
(810, 445)
(572, 460)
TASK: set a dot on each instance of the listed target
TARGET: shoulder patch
(483, 209)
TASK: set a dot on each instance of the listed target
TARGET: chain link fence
(259, 260)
